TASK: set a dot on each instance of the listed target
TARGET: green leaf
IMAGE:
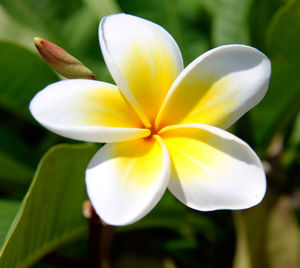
(79, 41)
(22, 75)
(12, 31)
(230, 22)
(12, 144)
(169, 214)
(102, 8)
(50, 214)
(191, 28)
(261, 14)
(83, 43)
(281, 103)
(295, 136)
(44, 17)
(8, 211)
(285, 24)
(17, 159)
(14, 175)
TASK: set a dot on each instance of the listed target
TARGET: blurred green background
(47, 229)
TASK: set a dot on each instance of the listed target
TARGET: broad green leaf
(282, 101)
(284, 25)
(230, 22)
(8, 211)
(261, 14)
(17, 159)
(14, 175)
(50, 214)
(22, 75)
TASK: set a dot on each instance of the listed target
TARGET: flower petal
(126, 180)
(217, 88)
(86, 110)
(213, 169)
(143, 59)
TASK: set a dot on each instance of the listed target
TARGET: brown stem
(100, 238)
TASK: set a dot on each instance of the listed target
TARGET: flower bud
(61, 61)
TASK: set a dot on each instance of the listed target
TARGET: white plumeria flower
(164, 124)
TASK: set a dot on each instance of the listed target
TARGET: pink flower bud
(61, 61)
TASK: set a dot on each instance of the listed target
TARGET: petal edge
(143, 59)
(213, 169)
(86, 110)
(217, 88)
(124, 184)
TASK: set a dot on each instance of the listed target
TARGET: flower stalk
(100, 238)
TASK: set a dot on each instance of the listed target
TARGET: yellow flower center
(153, 130)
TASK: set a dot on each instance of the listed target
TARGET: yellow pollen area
(195, 153)
(153, 130)
(149, 71)
(212, 106)
(195, 100)
(105, 106)
(139, 162)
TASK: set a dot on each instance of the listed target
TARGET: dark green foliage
(49, 220)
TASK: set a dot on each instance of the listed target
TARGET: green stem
(252, 224)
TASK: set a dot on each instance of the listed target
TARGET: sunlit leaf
(50, 214)
(260, 18)
(282, 101)
(193, 41)
(45, 17)
(22, 75)
(102, 8)
(14, 31)
(230, 22)
(8, 210)
(84, 39)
